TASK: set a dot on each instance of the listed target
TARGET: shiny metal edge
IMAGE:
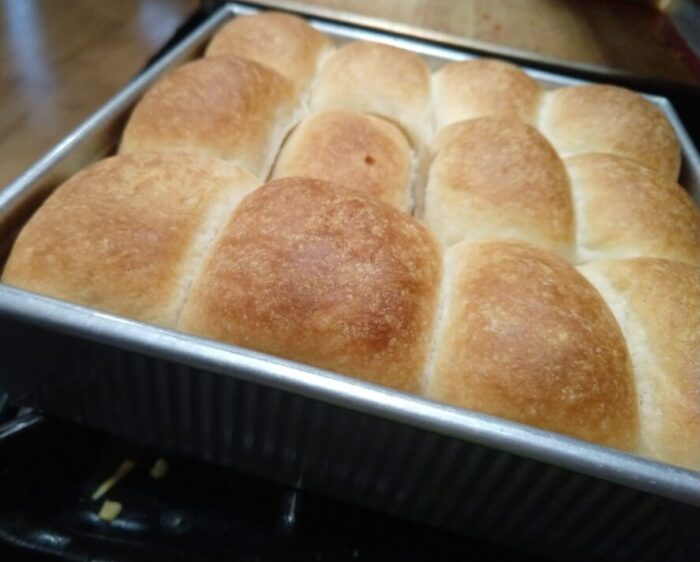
(690, 172)
(580, 456)
(594, 460)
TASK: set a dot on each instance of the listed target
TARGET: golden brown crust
(628, 210)
(380, 79)
(599, 118)
(309, 271)
(227, 107)
(657, 303)
(122, 234)
(525, 337)
(282, 42)
(481, 88)
(362, 152)
(497, 177)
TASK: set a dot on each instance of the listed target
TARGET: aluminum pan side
(594, 460)
(99, 134)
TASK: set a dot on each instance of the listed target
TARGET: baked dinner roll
(497, 177)
(228, 107)
(127, 234)
(624, 209)
(480, 88)
(657, 303)
(524, 336)
(362, 152)
(380, 79)
(282, 42)
(598, 118)
(312, 272)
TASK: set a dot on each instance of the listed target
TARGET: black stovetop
(49, 469)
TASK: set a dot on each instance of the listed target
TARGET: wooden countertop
(60, 60)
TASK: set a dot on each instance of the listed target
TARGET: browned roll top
(362, 152)
(524, 336)
(498, 177)
(627, 210)
(127, 234)
(227, 107)
(377, 78)
(599, 118)
(309, 271)
(282, 42)
(483, 88)
(657, 303)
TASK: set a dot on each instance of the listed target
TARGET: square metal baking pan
(453, 468)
